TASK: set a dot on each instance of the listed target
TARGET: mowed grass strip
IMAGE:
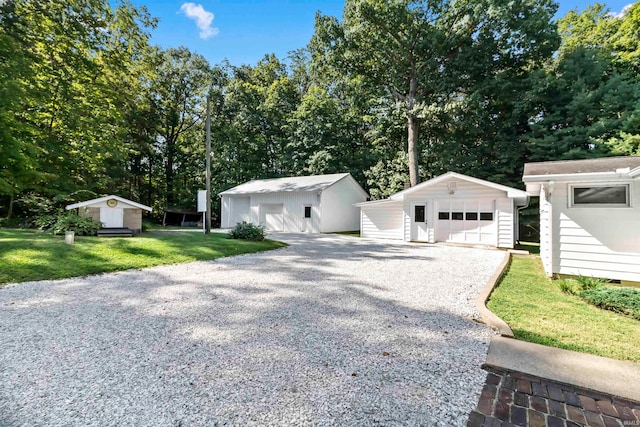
(26, 255)
(538, 311)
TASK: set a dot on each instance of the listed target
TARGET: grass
(538, 311)
(532, 247)
(26, 255)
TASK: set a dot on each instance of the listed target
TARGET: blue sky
(243, 31)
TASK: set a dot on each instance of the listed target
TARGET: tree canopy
(393, 92)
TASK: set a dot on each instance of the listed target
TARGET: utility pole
(207, 221)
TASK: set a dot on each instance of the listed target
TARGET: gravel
(331, 330)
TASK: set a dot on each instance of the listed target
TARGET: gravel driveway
(331, 330)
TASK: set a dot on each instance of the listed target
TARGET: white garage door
(272, 217)
(466, 221)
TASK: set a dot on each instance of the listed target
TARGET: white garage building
(312, 204)
(449, 208)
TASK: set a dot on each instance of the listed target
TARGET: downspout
(518, 209)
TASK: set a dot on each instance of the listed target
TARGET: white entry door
(272, 217)
(112, 217)
(419, 228)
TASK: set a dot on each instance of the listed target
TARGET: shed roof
(586, 166)
(511, 192)
(104, 199)
(293, 183)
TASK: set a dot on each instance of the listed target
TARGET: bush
(68, 221)
(587, 283)
(248, 231)
(568, 286)
(621, 300)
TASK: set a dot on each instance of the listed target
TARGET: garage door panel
(466, 221)
(273, 217)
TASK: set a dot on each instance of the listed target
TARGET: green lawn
(26, 255)
(538, 311)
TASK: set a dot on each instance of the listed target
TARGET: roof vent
(452, 185)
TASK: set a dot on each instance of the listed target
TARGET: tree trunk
(412, 149)
(10, 207)
(412, 130)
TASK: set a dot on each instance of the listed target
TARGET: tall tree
(178, 93)
(425, 55)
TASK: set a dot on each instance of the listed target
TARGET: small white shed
(311, 204)
(452, 208)
(113, 212)
(589, 216)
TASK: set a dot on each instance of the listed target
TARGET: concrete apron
(617, 378)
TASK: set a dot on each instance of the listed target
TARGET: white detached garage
(311, 204)
(452, 208)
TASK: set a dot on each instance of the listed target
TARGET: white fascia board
(574, 177)
(104, 199)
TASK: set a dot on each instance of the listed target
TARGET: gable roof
(511, 192)
(603, 165)
(288, 184)
(104, 199)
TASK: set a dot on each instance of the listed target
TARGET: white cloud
(622, 13)
(203, 19)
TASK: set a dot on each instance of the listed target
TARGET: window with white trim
(600, 195)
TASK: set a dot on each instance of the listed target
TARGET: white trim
(376, 202)
(572, 205)
(104, 199)
(635, 172)
(512, 193)
(574, 176)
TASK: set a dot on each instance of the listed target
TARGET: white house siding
(382, 221)
(546, 230)
(505, 214)
(336, 205)
(585, 247)
(465, 191)
(235, 209)
(293, 203)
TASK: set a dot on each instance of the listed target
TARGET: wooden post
(207, 221)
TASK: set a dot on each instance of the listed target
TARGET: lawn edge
(487, 316)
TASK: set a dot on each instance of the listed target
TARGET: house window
(457, 216)
(610, 195)
(418, 213)
(471, 216)
(486, 216)
(443, 215)
(307, 211)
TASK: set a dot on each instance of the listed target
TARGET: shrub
(621, 300)
(68, 221)
(568, 286)
(590, 282)
(248, 231)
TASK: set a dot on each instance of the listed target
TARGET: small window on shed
(443, 215)
(457, 216)
(610, 195)
(486, 216)
(307, 211)
(418, 213)
(471, 216)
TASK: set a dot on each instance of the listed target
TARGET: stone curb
(486, 316)
(617, 378)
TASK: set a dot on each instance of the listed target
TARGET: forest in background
(394, 92)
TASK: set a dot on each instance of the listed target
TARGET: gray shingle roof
(562, 167)
(294, 183)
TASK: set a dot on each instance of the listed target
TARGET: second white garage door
(272, 217)
(466, 221)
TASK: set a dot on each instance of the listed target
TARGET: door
(307, 224)
(466, 221)
(112, 217)
(272, 217)
(419, 229)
